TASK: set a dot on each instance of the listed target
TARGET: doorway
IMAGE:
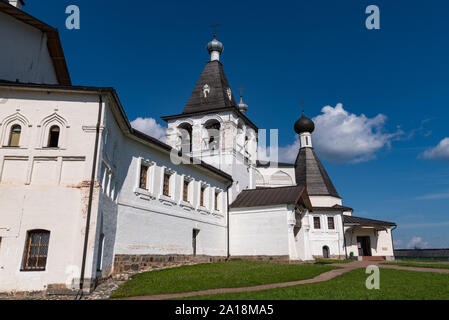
(194, 236)
(326, 252)
(364, 246)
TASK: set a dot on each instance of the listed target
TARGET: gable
(31, 50)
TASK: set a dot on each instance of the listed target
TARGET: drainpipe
(227, 199)
(344, 237)
(91, 192)
(392, 242)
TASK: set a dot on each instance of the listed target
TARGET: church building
(84, 195)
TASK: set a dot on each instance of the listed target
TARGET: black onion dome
(304, 124)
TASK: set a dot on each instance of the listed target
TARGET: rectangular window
(316, 223)
(216, 201)
(36, 250)
(330, 223)
(143, 176)
(166, 188)
(185, 193)
(202, 193)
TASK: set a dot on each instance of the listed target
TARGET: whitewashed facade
(83, 195)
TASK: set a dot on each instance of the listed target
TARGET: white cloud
(440, 152)
(150, 127)
(417, 242)
(434, 196)
(341, 136)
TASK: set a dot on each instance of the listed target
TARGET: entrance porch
(367, 239)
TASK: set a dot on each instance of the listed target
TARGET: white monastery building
(84, 196)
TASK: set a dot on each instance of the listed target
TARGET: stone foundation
(333, 257)
(133, 263)
(280, 259)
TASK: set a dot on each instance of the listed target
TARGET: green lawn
(419, 265)
(394, 285)
(329, 261)
(215, 275)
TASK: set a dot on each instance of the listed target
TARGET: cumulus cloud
(341, 136)
(417, 242)
(440, 152)
(150, 127)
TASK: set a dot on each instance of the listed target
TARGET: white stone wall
(149, 222)
(24, 53)
(381, 241)
(233, 155)
(275, 177)
(332, 238)
(45, 188)
(259, 231)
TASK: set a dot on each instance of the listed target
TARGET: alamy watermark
(373, 20)
(373, 281)
(73, 20)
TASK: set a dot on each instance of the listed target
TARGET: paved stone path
(346, 267)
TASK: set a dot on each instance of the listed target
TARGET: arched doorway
(326, 252)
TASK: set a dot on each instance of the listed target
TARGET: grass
(215, 275)
(394, 285)
(423, 260)
(329, 261)
(419, 265)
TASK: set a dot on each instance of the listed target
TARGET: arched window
(36, 250)
(185, 134)
(326, 252)
(213, 134)
(14, 138)
(53, 137)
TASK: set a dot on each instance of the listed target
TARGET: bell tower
(213, 127)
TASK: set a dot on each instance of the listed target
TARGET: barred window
(330, 223)
(185, 194)
(166, 188)
(36, 250)
(143, 176)
(316, 223)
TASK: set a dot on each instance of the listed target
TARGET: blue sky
(282, 52)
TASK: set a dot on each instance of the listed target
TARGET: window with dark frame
(53, 137)
(185, 194)
(203, 191)
(316, 223)
(143, 176)
(216, 200)
(330, 223)
(36, 250)
(14, 138)
(166, 187)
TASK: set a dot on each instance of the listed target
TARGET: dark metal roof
(53, 40)
(140, 135)
(333, 208)
(310, 172)
(214, 76)
(351, 220)
(260, 164)
(270, 196)
(217, 101)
